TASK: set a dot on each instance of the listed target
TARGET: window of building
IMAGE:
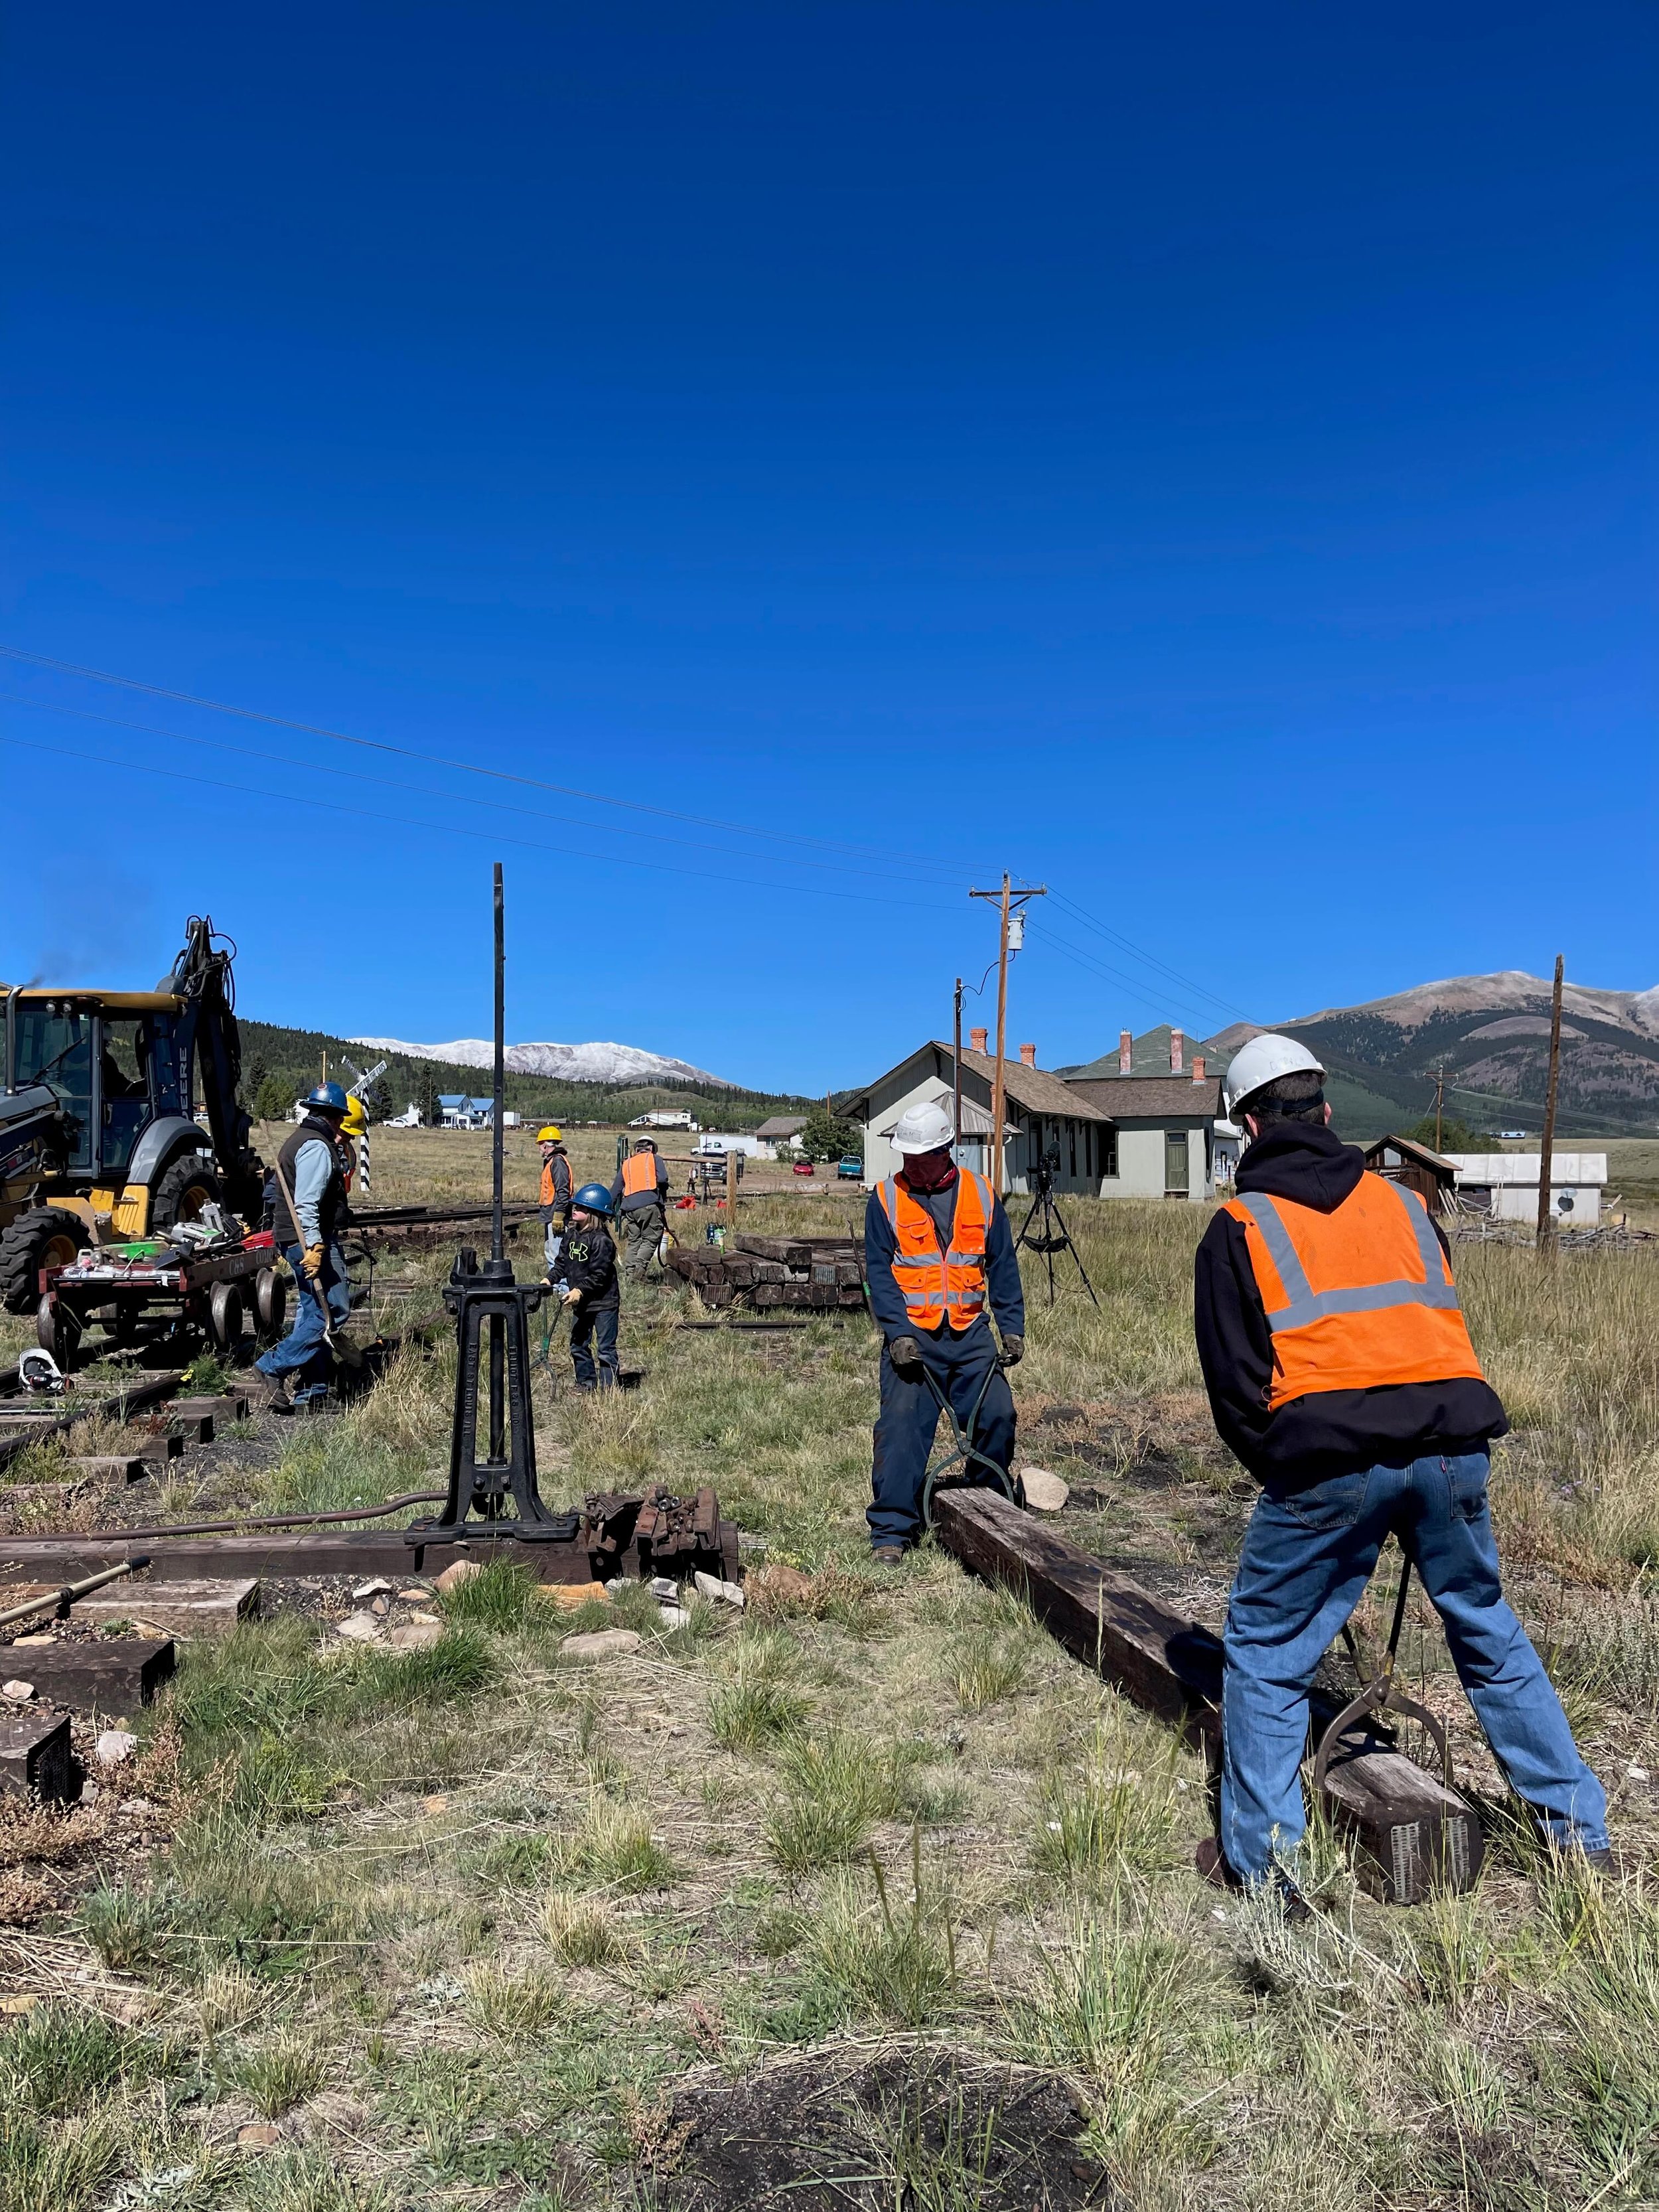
(1175, 1184)
(1109, 1150)
(1071, 1132)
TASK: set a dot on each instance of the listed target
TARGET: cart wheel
(228, 1314)
(56, 1330)
(271, 1300)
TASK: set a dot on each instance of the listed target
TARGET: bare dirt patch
(841, 2128)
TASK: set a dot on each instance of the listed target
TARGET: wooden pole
(732, 1159)
(1006, 899)
(1545, 1218)
(956, 1122)
(997, 1090)
(1439, 1099)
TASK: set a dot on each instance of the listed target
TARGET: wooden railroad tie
(1414, 1834)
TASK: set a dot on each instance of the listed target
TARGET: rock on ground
(602, 1644)
(1044, 1492)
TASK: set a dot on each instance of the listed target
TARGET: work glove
(1014, 1350)
(312, 1261)
(905, 1354)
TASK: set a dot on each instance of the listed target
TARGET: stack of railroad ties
(775, 1271)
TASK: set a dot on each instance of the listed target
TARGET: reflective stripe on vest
(639, 1173)
(1308, 1304)
(1332, 1332)
(940, 1286)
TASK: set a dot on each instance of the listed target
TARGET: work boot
(1211, 1862)
(279, 1395)
(888, 1555)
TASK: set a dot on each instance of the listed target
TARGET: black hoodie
(1325, 1432)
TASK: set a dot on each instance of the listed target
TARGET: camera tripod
(1051, 1234)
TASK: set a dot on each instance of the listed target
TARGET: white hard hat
(1263, 1061)
(923, 1128)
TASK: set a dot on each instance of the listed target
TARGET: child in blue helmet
(587, 1266)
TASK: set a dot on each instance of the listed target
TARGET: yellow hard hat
(355, 1121)
(549, 1135)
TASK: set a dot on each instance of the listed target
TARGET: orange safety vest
(940, 1287)
(549, 1195)
(639, 1173)
(1356, 1299)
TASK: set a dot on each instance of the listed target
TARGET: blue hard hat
(593, 1198)
(331, 1095)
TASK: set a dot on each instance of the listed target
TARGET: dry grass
(880, 1809)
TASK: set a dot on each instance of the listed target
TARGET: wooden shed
(1429, 1173)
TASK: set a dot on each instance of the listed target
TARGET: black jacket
(1325, 1432)
(587, 1261)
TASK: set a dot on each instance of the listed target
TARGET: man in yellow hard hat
(555, 1193)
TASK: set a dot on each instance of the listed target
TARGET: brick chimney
(979, 1039)
(1028, 1055)
(1126, 1053)
(1177, 1051)
(1198, 1067)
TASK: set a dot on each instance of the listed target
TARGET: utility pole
(1012, 903)
(1545, 1218)
(956, 1043)
(1439, 1100)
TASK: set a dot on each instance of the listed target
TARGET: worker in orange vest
(938, 1249)
(639, 1193)
(1341, 1373)
(554, 1194)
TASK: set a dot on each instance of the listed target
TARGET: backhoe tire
(183, 1191)
(45, 1236)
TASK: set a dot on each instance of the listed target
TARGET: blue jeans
(1308, 1556)
(304, 1351)
(592, 1332)
(910, 1415)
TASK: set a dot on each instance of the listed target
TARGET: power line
(432, 760)
(1136, 991)
(389, 783)
(1137, 952)
(452, 828)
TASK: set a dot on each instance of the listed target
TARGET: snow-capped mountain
(575, 1063)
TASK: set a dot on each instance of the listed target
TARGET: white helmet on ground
(925, 1129)
(1263, 1061)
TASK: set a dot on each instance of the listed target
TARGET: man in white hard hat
(937, 1246)
(1341, 1372)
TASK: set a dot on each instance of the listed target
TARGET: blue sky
(1201, 459)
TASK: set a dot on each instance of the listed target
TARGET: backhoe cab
(99, 1139)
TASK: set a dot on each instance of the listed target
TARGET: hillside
(1492, 1035)
(278, 1063)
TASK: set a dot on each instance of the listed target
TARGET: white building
(1041, 1118)
(1504, 1185)
(664, 1117)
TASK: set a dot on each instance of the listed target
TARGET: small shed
(1415, 1167)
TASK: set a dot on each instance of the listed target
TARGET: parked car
(804, 1167)
(849, 1168)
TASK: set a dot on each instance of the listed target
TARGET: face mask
(930, 1170)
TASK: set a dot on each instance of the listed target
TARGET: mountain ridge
(1491, 1035)
(594, 1062)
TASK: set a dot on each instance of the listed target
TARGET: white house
(1505, 1185)
(1041, 1116)
(1168, 1139)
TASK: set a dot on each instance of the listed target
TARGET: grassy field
(868, 1896)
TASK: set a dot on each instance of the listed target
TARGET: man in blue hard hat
(312, 1165)
(587, 1269)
